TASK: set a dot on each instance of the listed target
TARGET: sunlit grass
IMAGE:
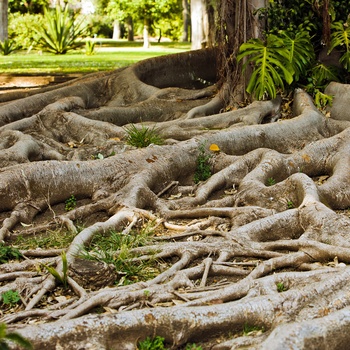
(108, 55)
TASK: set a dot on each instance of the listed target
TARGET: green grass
(108, 55)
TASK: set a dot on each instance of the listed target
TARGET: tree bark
(3, 20)
(256, 254)
(186, 20)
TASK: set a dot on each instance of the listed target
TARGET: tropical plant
(301, 51)
(62, 32)
(272, 66)
(340, 38)
(7, 46)
(284, 58)
(13, 337)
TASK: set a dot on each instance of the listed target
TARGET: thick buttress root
(245, 249)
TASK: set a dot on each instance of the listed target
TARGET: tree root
(263, 242)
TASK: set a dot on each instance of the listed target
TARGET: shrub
(62, 31)
(22, 29)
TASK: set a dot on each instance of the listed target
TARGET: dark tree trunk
(186, 20)
(130, 26)
(3, 20)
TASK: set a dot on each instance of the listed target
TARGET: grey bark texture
(257, 256)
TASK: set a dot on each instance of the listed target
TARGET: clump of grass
(52, 239)
(142, 137)
(249, 329)
(281, 287)
(270, 181)
(7, 46)
(8, 253)
(70, 203)
(156, 343)
(203, 168)
(116, 248)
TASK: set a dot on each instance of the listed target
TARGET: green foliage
(290, 205)
(271, 65)
(70, 203)
(116, 248)
(11, 297)
(203, 167)
(270, 181)
(156, 343)
(249, 329)
(13, 337)
(142, 137)
(319, 76)
(301, 51)
(8, 253)
(61, 279)
(283, 58)
(21, 29)
(89, 47)
(7, 46)
(62, 31)
(25, 6)
(341, 39)
(281, 287)
(51, 239)
(193, 347)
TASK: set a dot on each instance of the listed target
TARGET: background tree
(3, 20)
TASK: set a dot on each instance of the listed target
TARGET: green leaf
(17, 338)
(271, 62)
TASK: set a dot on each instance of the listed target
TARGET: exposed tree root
(263, 243)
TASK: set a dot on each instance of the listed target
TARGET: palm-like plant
(62, 32)
(341, 38)
(7, 46)
(271, 64)
(283, 58)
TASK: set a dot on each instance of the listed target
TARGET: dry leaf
(175, 196)
(214, 147)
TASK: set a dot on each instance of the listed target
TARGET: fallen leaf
(214, 147)
(175, 196)
(26, 225)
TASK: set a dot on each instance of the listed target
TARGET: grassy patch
(116, 248)
(142, 137)
(56, 239)
(108, 55)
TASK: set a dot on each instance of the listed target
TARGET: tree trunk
(116, 30)
(186, 20)
(130, 28)
(146, 41)
(3, 20)
(199, 24)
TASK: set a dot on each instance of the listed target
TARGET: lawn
(108, 55)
